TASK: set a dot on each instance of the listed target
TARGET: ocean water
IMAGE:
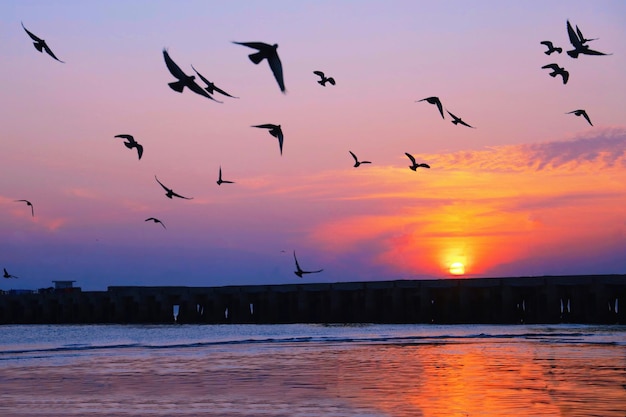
(312, 370)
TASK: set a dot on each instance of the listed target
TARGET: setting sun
(457, 268)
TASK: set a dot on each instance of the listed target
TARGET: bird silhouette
(269, 52)
(581, 112)
(578, 41)
(40, 44)
(28, 203)
(414, 165)
(131, 143)
(274, 130)
(324, 79)
(457, 120)
(299, 271)
(551, 48)
(356, 160)
(556, 70)
(155, 220)
(169, 192)
(436, 102)
(184, 80)
(220, 181)
(211, 87)
(7, 275)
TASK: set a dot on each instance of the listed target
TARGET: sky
(531, 190)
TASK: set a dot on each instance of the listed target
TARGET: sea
(313, 370)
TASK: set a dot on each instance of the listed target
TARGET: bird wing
(256, 45)
(354, 156)
(296, 259)
(547, 43)
(266, 126)
(424, 165)
(161, 184)
(565, 75)
(551, 66)
(410, 157)
(31, 34)
(573, 36)
(592, 52)
(465, 124)
(49, 51)
(313, 272)
(453, 116)
(440, 107)
(171, 65)
(584, 113)
(277, 69)
(219, 90)
(180, 196)
(280, 140)
(127, 137)
(139, 150)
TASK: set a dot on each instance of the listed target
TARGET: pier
(584, 299)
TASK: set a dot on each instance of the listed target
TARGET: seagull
(220, 181)
(131, 143)
(415, 164)
(435, 101)
(211, 88)
(269, 52)
(7, 275)
(356, 160)
(184, 80)
(299, 272)
(581, 112)
(28, 203)
(169, 193)
(154, 219)
(275, 131)
(578, 41)
(41, 44)
(551, 48)
(556, 70)
(457, 120)
(324, 78)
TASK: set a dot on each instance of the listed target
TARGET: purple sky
(531, 191)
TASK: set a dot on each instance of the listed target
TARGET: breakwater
(548, 299)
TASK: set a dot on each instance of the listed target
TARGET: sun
(457, 268)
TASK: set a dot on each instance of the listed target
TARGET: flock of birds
(269, 53)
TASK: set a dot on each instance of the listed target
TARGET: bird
(435, 101)
(324, 79)
(457, 120)
(415, 165)
(155, 220)
(556, 70)
(581, 112)
(551, 47)
(274, 130)
(220, 181)
(169, 193)
(211, 87)
(269, 52)
(131, 143)
(28, 203)
(184, 80)
(299, 271)
(356, 160)
(7, 275)
(578, 41)
(41, 44)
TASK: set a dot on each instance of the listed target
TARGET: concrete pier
(548, 299)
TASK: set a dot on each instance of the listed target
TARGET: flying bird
(28, 203)
(436, 102)
(155, 220)
(169, 192)
(269, 52)
(324, 79)
(556, 70)
(220, 181)
(578, 41)
(184, 80)
(551, 48)
(131, 143)
(415, 165)
(457, 120)
(7, 275)
(581, 112)
(356, 160)
(41, 44)
(275, 131)
(299, 271)
(211, 87)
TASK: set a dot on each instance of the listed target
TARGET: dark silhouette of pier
(549, 299)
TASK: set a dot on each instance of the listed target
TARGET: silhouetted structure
(548, 299)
